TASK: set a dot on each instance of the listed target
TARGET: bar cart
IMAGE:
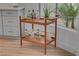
(43, 22)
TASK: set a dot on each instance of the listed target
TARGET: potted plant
(68, 12)
(47, 12)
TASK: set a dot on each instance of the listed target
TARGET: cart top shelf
(38, 21)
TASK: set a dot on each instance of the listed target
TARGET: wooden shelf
(38, 21)
(37, 41)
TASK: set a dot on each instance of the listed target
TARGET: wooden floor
(11, 47)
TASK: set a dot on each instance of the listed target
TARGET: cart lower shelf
(38, 41)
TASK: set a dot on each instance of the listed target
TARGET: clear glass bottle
(29, 14)
(33, 14)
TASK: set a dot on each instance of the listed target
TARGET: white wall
(5, 4)
(29, 6)
(68, 39)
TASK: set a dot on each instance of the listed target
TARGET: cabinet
(10, 20)
(0, 24)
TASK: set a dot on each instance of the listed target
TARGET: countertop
(11, 8)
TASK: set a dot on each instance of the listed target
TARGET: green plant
(47, 12)
(69, 12)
